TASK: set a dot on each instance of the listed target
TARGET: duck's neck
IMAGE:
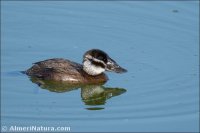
(92, 69)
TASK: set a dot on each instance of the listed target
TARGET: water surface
(157, 42)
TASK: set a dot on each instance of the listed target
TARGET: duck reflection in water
(93, 95)
(62, 75)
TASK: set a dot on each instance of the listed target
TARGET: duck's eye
(98, 64)
(102, 58)
(105, 60)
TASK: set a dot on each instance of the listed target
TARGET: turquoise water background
(156, 41)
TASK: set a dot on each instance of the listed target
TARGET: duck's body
(95, 62)
(59, 69)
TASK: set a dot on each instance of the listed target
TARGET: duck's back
(59, 69)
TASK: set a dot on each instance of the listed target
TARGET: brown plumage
(59, 69)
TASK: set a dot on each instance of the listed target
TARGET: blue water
(156, 41)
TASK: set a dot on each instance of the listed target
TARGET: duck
(91, 71)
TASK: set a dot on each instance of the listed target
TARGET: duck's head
(96, 61)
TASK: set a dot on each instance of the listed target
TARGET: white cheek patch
(92, 69)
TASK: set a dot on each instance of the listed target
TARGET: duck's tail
(23, 72)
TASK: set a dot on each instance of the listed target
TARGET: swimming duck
(95, 62)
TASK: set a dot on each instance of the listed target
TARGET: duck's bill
(114, 67)
(119, 70)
